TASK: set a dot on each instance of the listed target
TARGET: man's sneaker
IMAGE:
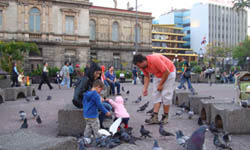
(153, 119)
(164, 119)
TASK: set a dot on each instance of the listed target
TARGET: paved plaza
(48, 111)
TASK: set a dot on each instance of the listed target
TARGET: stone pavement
(48, 111)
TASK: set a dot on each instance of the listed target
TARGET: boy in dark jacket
(92, 102)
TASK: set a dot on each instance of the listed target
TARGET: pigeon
(37, 98)
(34, 112)
(81, 145)
(22, 114)
(182, 105)
(126, 99)
(190, 114)
(138, 100)
(127, 92)
(123, 90)
(163, 132)
(144, 133)
(28, 100)
(143, 107)
(25, 124)
(38, 119)
(156, 146)
(213, 129)
(125, 136)
(181, 139)
(49, 98)
(227, 138)
(244, 104)
(150, 111)
(179, 113)
(197, 139)
(200, 122)
(218, 143)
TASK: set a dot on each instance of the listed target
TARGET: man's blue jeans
(135, 80)
(183, 80)
(66, 81)
(113, 85)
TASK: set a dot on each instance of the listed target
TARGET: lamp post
(248, 58)
(136, 27)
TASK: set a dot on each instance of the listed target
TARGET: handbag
(187, 74)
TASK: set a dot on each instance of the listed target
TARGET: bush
(128, 74)
(37, 72)
(53, 71)
(193, 63)
(197, 69)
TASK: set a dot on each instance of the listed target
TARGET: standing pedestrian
(15, 75)
(134, 72)
(86, 69)
(65, 75)
(209, 73)
(71, 72)
(163, 70)
(186, 77)
(45, 77)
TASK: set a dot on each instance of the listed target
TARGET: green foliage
(241, 4)
(127, 75)
(242, 51)
(233, 68)
(193, 63)
(53, 71)
(37, 72)
(15, 51)
(82, 69)
(197, 69)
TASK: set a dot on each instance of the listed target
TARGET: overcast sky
(157, 7)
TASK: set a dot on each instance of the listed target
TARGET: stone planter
(194, 102)
(180, 97)
(2, 96)
(12, 94)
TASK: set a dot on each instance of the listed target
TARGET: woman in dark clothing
(14, 75)
(45, 77)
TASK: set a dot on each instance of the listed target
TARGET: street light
(136, 27)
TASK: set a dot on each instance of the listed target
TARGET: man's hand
(145, 92)
(159, 87)
(108, 114)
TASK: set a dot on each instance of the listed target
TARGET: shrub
(193, 63)
(52, 71)
(197, 69)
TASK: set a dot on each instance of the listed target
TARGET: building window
(70, 56)
(70, 24)
(117, 60)
(138, 33)
(34, 22)
(93, 55)
(92, 25)
(115, 32)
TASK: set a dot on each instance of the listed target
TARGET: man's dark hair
(138, 58)
(98, 83)
(65, 63)
(70, 63)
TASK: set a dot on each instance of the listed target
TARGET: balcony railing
(35, 36)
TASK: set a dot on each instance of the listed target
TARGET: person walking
(15, 75)
(186, 77)
(45, 77)
(71, 72)
(164, 73)
(65, 75)
(134, 72)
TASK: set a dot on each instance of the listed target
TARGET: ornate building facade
(73, 30)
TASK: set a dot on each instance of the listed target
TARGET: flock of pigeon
(23, 115)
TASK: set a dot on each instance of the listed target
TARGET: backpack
(81, 86)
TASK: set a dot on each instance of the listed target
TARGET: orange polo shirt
(157, 65)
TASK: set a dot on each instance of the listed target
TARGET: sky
(156, 7)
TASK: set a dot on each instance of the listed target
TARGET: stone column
(43, 20)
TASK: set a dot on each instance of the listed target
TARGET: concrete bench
(194, 102)
(70, 121)
(205, 107)
(31, 91)
(12, 94)
(2, 96)
(180, 97)
(231, 118)
(27, 140)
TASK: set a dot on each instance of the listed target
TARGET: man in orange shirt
(163, 84)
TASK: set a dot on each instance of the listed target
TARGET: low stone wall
(14, 93)
(27, 140)
(2, 96)
(231, 118)
(31, 91)
(180, 97)
(5, 83)
(205, 107)
(70, 121)
(194, 102)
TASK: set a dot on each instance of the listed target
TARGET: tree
(214, 52)
(15, 51)
(242, 51)
(241, 4)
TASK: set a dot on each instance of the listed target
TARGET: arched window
(92, 26)
(34, 23)
(138, 33)
(115, 32)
